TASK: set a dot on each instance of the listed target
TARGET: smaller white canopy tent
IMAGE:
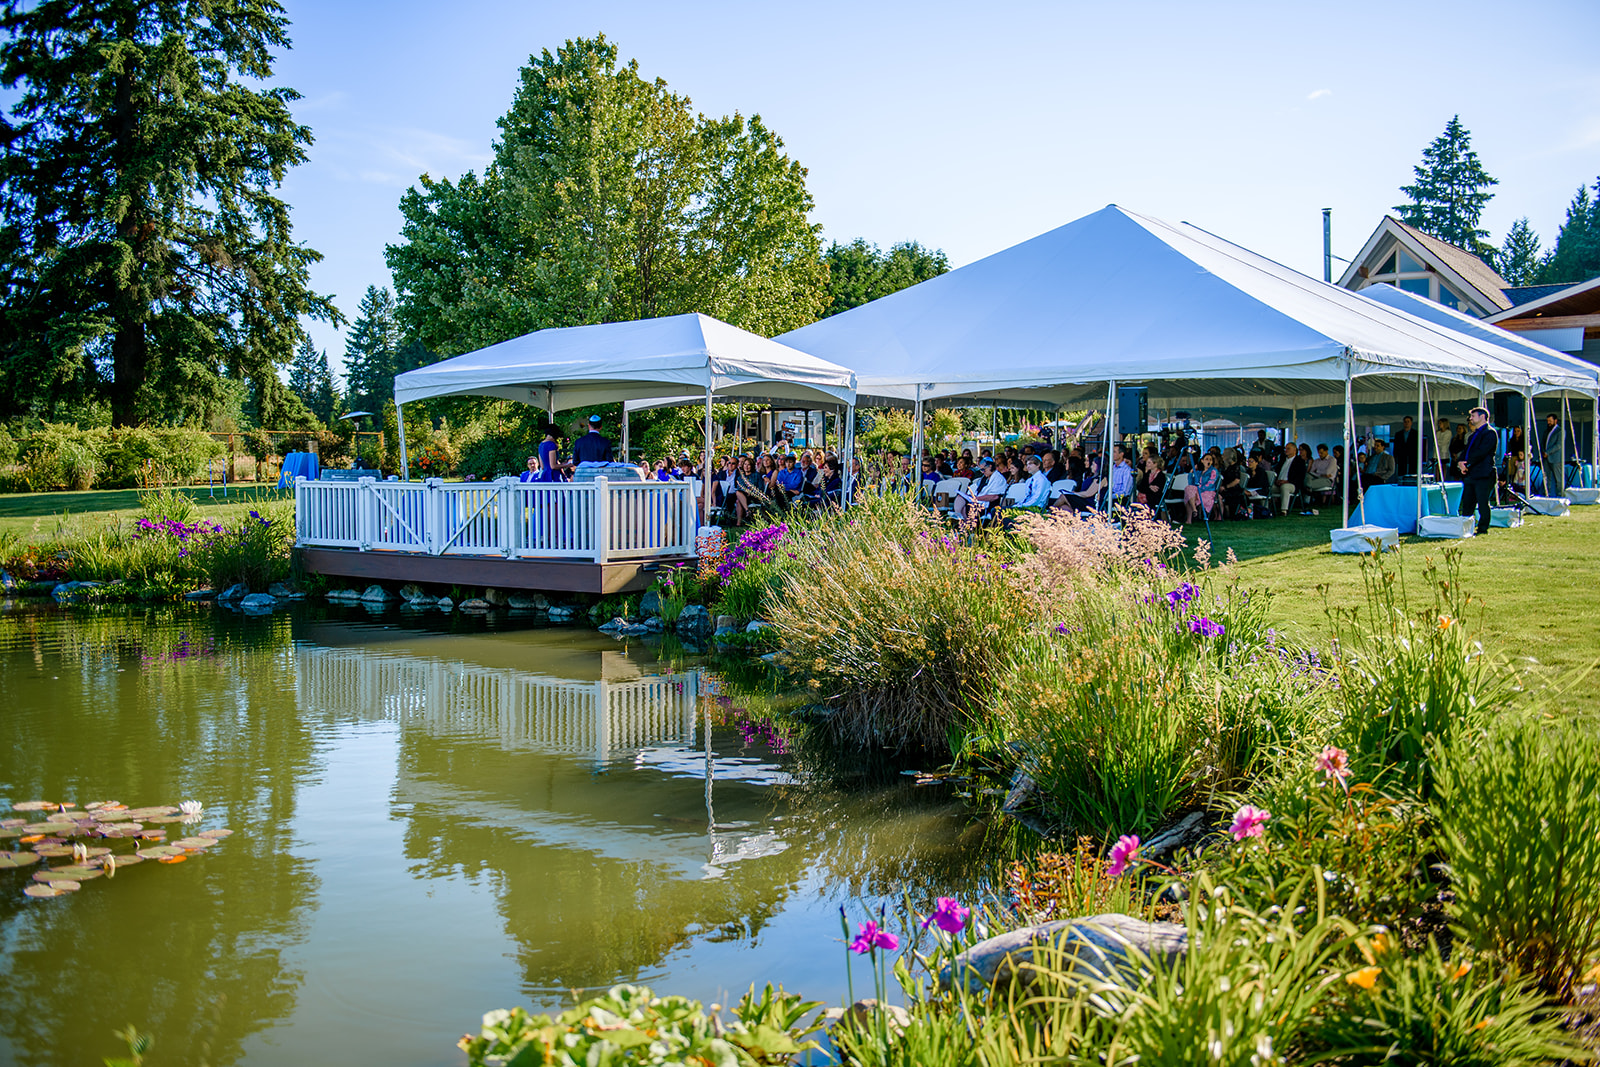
(664, 357)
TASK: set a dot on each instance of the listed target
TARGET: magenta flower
(1124, 852)
(1334, 763)
(948, 915)
(873, 936)
(1247, 822)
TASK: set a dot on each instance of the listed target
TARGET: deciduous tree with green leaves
(144, 250)
(607, 200)
(1450, 191)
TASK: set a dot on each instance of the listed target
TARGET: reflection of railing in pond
(515, 708)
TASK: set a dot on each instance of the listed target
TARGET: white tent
(1118, 298)
(663, 357)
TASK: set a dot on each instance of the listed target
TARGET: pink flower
(1247, 822)
(1124, 852)
(873, 936)
(1334, 763)
(948, 915)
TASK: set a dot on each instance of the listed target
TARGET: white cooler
(1451, 526)
(1359, 539)
(1505, 518)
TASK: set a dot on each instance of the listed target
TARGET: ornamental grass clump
(900, 625)
(1519, 821)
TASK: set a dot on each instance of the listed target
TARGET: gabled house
(1564, 317)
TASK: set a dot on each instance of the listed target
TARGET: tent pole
(1527, 439)
(847, 477)
(705, 473)
(1294, 420)
(1349, 447)
(916, 436)
(624, 432)
(1594, 456)
(1420, 379)
(1111, 437)
(400, 421)
(740, 433)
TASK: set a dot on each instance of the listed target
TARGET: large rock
(650, 604)
(343, 596)
(200, 594)
(497, 597)
(69, 590)
(694, 624)
(238, 591)
(258, 604)
(1096, 946)
(526, 602)
(377, 594)
(412, 593)
(757, 625)
(445, 604)
(285, 591)
(727, 622)
(476, 604)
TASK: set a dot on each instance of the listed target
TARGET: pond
(432, 818)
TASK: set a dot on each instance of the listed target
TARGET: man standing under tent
(1404, 448)
(594, 446)
(1553, 450)
(1477, 468)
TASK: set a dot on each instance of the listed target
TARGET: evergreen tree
(312, 382)
(1576, 256)
(371, 351)
(859, 271)
(608, 200)
(1450, 192)
(138, 223)
(1518, 260)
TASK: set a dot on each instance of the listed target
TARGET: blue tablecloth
(1395, 506)
(298, 465)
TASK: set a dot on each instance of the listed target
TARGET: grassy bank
(1533, 585)
(50, 516)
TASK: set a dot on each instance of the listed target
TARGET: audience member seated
(1257, 486)
(1122, 476)
(1295, 473)
(1323, 474)
(1152, 485)
(1201, 493)
(748, 494)
(788, 482)
(1379, 469)
(984, 493)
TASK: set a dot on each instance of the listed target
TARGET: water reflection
(430, 824)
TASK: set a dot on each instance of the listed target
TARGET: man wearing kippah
(594, 446)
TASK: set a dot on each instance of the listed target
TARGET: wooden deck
(534, 575)
(588, 537)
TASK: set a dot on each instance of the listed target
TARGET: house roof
(1474, 271)
(1580, 298)
(1527, 294)
(1465, 270)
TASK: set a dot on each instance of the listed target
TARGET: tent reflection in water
(1118, 298)
(619, 361)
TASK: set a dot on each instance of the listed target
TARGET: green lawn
(38, 516)
(1531, 585)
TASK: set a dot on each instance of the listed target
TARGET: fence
(602, 520)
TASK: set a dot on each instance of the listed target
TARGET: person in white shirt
(1038, 486)
(1121, 475)
(984, 492)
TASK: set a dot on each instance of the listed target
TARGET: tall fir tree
(1450, 192)
(1518, 260)
(1576, 255)
(372, 351)
(608, 199)
(311, 380)
(138, 221)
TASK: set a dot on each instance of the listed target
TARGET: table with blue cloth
(298, 465)
(1395, 506)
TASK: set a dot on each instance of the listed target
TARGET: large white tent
(1121, 298)
(663, 357)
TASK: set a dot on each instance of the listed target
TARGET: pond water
(431, 819)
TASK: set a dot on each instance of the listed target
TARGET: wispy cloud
(394, 156)
(1317, 94)
(1585, 135)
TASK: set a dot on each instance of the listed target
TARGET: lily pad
(33, 805)
(39, 889)
(163, 819)
(10, 823)
(112, 815)
(152, 835)
(77, 872)
(124, 860)
(218, 833)
(194, 842)
(160, 852)
(153, 812)
(54, 852)
(10, 831)
(18, 859)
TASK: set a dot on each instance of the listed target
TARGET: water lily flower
(1247, 822)
(948, 915)
(1334, 763)
(873, 936)
(190, 810)
(1124, 852)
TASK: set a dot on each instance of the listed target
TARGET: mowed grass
(48, 516)
(1534, 587)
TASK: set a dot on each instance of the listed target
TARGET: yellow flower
(1461, 968)
(1366, 977)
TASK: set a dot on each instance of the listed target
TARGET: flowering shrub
(753, 547)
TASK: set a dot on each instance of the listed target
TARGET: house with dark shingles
(1564, 317)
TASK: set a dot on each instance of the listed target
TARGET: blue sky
(972, 127)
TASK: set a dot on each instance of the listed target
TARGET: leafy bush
(255, 551)
(630, 1025)
(1518, 810)
(1423, 1009)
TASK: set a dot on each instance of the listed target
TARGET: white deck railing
(600, 520)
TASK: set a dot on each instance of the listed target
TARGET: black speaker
(1507, 410)
(1133, 409)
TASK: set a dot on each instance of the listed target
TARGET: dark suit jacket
(1404, 450)
(592, 447)
(1479, 456)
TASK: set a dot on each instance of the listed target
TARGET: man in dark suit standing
(1404, 449)
(594, 446)
(1477, 468)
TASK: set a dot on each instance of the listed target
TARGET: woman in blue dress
(549, 456)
